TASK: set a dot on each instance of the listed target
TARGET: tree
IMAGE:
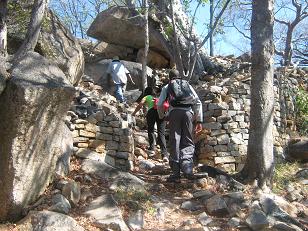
(260, 159)
(186, 44)
(34, 28)
(287, 42)
(290, 27)
(146, 44)
(3, 28)
(78, 14)
(3, 44)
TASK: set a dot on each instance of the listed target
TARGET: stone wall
(98, 123)
(226, 107)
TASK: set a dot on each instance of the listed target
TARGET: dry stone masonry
(97, 125)
(226, 105)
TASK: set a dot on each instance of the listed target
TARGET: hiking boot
(173, 179)
(165, 159)
(189, 176)
(151, 153)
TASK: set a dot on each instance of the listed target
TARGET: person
(152, 117)
(183, 119)
(118, 73)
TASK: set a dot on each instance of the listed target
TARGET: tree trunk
(4, 75)
(3, 28)
(211, 27)
(146, 45)
(34, 28)
(288, 47)
(260, 159)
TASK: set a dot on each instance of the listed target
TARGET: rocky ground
(96, 196)
(102, 198)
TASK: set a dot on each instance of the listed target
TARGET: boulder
(63, 163)
(33, 104)
(55, 42)
(297, 150)
(118, 26)
(58, 44)
(154, 59)
(49, 221)
(94, 52)
(98, 72)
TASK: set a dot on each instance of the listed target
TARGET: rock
(216, 206)
(154, 59)
(49, 221)
(30, 147)
(71, 191)
(106, 214)
(298, 150)
(116, 25)
(257, 220)
(191, 205)
(146, 165)
(135, 220)
(204, 219)
(57, 43)
(101, 50)
(63, 163)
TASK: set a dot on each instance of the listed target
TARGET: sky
(230, 43)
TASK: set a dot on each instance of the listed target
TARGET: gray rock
(63, 163)
(71, 191)
(106, 214)
(204, 219)
(135, 220)
(31, 145)
(191, 205)
(216, 206)
(257, 220)
(123, 29)
(146, 164)
(50, 221)
(57, 43)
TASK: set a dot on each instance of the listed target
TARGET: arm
(197, 108)
(139, 106)
(161, 100)
(130, 78)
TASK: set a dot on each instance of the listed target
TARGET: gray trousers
(182, 147)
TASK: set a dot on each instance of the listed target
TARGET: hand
(198, 128)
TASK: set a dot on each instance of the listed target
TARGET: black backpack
(180, 94)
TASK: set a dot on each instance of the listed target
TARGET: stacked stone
(104, 130)
(226, 121)
(226, 109)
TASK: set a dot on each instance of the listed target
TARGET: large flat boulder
(116, 25)
(55, 42)
(33, 106)
(59, 45)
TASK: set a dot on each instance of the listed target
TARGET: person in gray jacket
(184, 119)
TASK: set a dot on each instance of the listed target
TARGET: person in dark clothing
(184, 119)
(152, 117)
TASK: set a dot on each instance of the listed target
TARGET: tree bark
(34, 28)
(260, 159)
(146, 45)
(3, 28)
(211, 27)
